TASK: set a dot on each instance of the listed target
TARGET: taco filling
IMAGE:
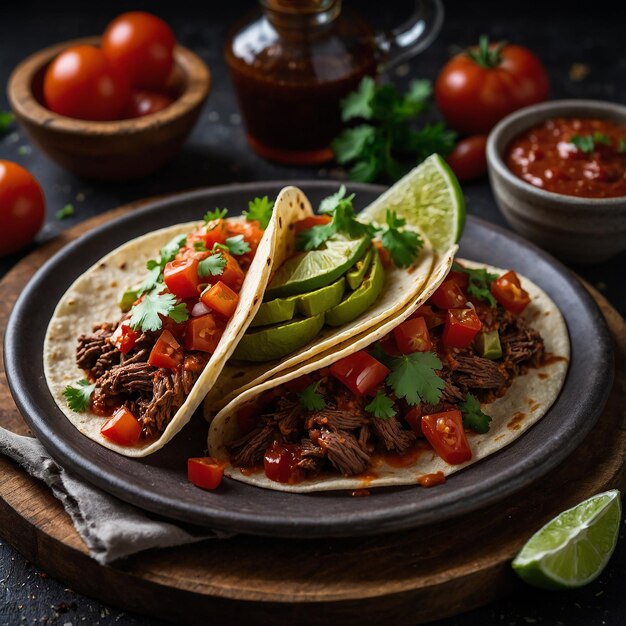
(419, 388)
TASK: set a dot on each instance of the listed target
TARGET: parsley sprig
(310, 399)
(237, 245)
(156, 266)
(402, 245)
(381, 406)
(213, 265)
(473, 417)
(414, 378)
(78, 395)
(260, 209)
(380, 148)
(479, 284)
(216, 214)
(146, 314)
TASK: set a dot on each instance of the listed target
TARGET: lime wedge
(429, 197)
(572, 549)
(312, 270)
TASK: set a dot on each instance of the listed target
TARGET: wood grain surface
(403, 578)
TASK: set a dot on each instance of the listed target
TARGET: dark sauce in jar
(572, 156)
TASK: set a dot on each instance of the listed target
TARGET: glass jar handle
(415, 35)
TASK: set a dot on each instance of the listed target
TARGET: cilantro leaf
(153, 278)
(381, 406)
(352, 143)
(216, 214)
(473, 417)
(65, 212)
(6, 119)
(621, 146)
(78, 396)
(358, 103)
(314, 237)
(330, 203)
(199, 246)
(414, 378)
(310, 399)
(145, 314)
(260, 209)
(402, 245)
(380, 355)
(237, 246)
(179, 313)
(588, 143)
(479, 284)
(212, 266)
(171, 248)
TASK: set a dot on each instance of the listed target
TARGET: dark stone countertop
(562, 34)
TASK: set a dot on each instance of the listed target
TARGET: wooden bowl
(115, 150)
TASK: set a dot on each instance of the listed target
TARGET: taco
(475, 360)
(131, 382)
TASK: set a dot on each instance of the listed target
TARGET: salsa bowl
(576, 229)
(120, 149)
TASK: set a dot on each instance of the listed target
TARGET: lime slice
(429, 197)
(312, 270)
(274, 311)
(572, 549)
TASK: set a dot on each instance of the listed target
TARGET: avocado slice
(274, 312)
(274, 342)
(128, 298)
(362, 298)
(355, 276)
(320, 300)
(488, 345)
(312, 270)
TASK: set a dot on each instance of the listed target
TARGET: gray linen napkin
(110, 528)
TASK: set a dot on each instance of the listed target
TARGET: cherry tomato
(280, 462)
(83, 83)
(468, 160)
(221, 299)
(309, 222)
(508, 291)
(445, 434)
(142, 45)
(167, 352)
(412, 336)
(360, 372)
(144, 102)
(205, 472)
(479, 87)
(414, 419)
(181, 277)
(124, 337)
(433, 318)
(232, 275)
(22, 207)
(203, 333)
(123, 428)
(461, 327)
(448, 296)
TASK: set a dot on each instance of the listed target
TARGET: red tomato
(123, 428)
(142, 45)
(232, 275)
(414, 419)
(360, 372)
(83, 83)
(203, 333)
(385, 257)
(280, 462)
(460, 278)
(461, 328)
(309, 222)
(221, 299)
(181, 277)
(205, 472)
(508, 291)
(445, 434)
(22, 207)
(479, 87)
(251, 231)
(412, 336)
(389, 346)
(124, 337)
(433, 318)
(167, 352)
(144, 102)
(297, 385)
(448, 296)
(468, 160)
(214, 232)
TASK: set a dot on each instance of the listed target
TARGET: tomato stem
(486, 55)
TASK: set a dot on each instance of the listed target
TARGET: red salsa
(572, 156)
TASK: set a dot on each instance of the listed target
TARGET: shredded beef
(343, 452)
(451, 393)
(521, 343)
(248, 451)
(193, 366)
(95, 353)
(393, 436)
(128, 378)
(168, 396)
(311, 457)
(336, 419)
(475, 372)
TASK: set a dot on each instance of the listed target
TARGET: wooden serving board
(403, 578)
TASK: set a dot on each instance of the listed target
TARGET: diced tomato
(181, 277)
(309, 222)
(445, 434)
(299, 384)
(205, 472)
(176, 328)
(508, 291)
(433, 318)
(460, 278)
(414, 419)
(412, 336)
(215, 232)
(360, 372)
(203, 333)
(124, 337)
(280, 462)
(123, 428)
(389, 346)
(385, 257)
(232, 275)
(221, 299)
(448, 296)
(461, 327)
(167, 352)
(251, 231)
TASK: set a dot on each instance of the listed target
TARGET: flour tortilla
(93, 299)
(526, 401)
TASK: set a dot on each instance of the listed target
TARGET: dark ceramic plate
(159, 482)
